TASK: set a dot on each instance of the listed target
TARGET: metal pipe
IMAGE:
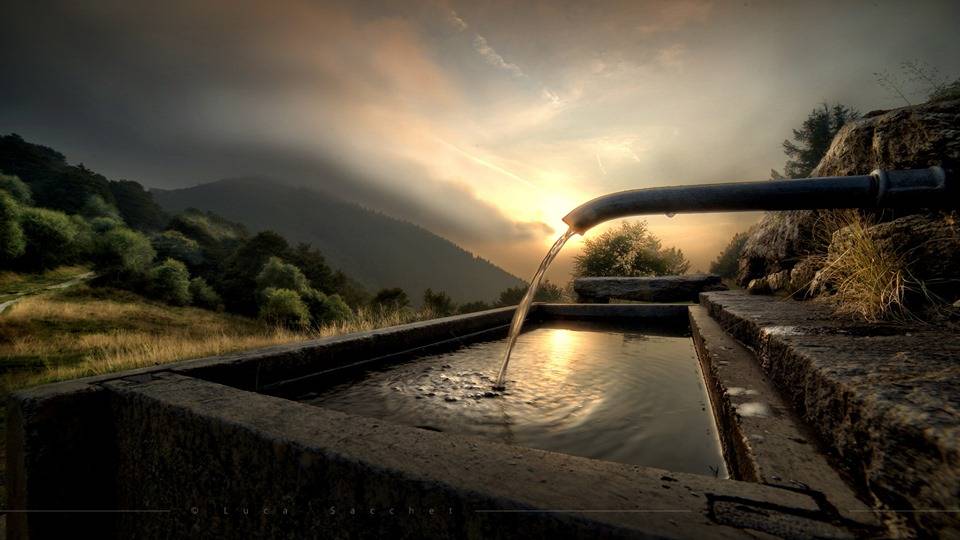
(918, 188)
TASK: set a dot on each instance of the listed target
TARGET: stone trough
(211, 448)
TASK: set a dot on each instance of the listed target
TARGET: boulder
(906, 138)
(928, 243)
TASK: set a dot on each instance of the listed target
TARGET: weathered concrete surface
(884, 400)
(61, 449)
(685, 288)
(762, 438)
(195, 447)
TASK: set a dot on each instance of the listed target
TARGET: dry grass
(69, 334)
(871, 278)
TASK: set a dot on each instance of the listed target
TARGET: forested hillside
(377, 250)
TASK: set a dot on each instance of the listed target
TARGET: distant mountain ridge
(377, 250)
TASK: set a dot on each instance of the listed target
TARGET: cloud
(456, 21)
(493, 58)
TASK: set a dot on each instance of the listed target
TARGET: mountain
(377, 250)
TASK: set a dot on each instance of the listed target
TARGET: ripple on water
(618, 395)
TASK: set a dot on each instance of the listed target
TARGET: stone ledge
(647, 289)
(183, 440)
(883, 399)
(763, 440)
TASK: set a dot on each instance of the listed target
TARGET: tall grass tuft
(871, 278)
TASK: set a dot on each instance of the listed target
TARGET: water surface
(617, 394)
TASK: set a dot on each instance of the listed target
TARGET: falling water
(524, 306)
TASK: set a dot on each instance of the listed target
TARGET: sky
(484, 122)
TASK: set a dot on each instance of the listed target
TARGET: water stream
(524, 305)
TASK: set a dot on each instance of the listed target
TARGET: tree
(122, 253)
(175, 245)
(813, 138)
(16, 188)
(393, 299)
(280, 275)
(727, 263)
(284, 307)
(629, 251)
(314, 266)
(97, 207)
(326, 309)
(12, 240)
(238, 283)
(170, 282)
(203, 295)
(439, 303)
(50, 237)
(547, 292)
(137, 207)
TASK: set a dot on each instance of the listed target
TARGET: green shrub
(204, 296)
(103, 224)
(50, 237)
(97, 207)
(277, 274)
(546, 292)
(438, 303)
(283, 307)
(121, 252)
(16, 188)
(393, 299)
(326, 309)
(176, 245)
(630, 251)
(170, 282)
(12, 240)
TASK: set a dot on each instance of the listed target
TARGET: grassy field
(82, 330)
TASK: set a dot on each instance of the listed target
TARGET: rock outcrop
(907, 138)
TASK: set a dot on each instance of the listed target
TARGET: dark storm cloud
(123, 85)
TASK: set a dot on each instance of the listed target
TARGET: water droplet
(671, 214)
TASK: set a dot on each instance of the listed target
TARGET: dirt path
(17, 296)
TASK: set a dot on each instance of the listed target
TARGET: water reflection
(607, 393)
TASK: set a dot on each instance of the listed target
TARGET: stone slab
(884, 400)
(684, 288)
(763, 440)
(192, 447)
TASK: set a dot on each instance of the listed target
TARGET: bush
(325, 309)
(284, 307)
(393, 299)
(103, 224)
(97, 207)
(121, 252)
(12, 240)
(170, 282)
(277, 274)
(547, 292)
(630, 251)
(204, 296)
(50, 238)
(16, 188)
(727, 263)
(438, 303)
(175, 245)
